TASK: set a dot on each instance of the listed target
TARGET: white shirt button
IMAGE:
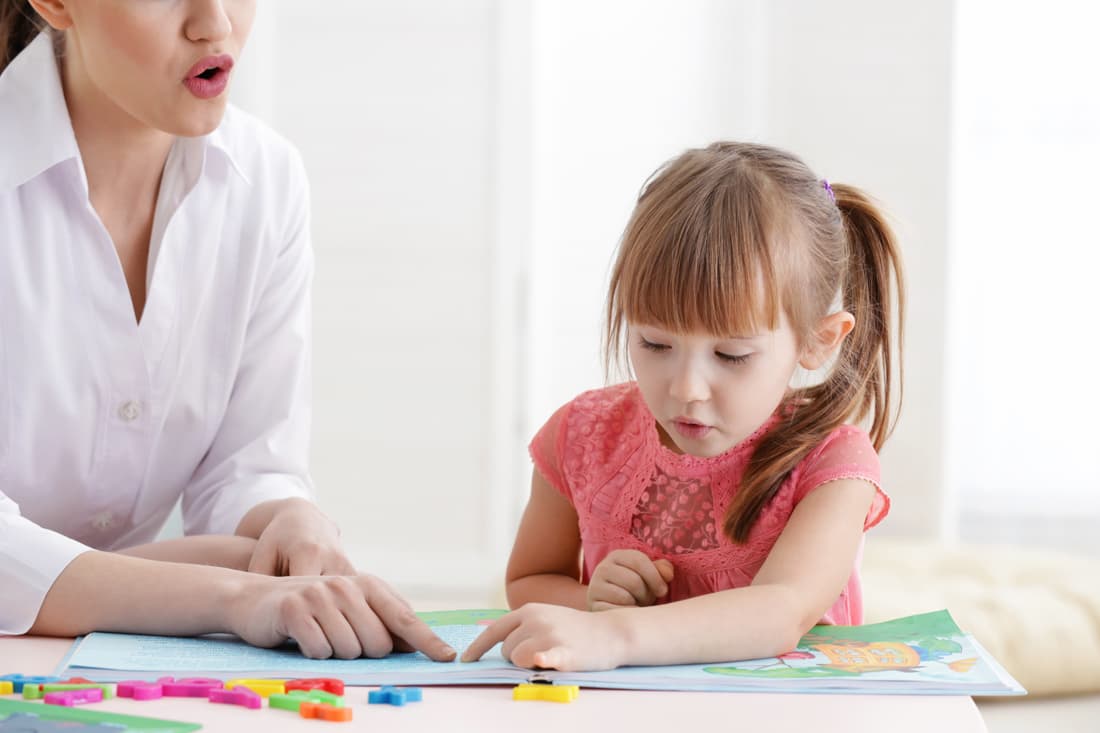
(129, 411)
(103, 520)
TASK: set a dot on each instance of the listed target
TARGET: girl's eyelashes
(732, 358)
(651, 345)
(659, 348)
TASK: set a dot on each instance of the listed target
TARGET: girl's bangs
(708, 274)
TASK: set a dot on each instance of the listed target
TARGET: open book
(924, 654)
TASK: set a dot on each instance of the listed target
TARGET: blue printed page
(112, 657)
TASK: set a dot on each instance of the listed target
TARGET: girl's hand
(338, 616)
(555, 637)
(299, 540)
(628, 578)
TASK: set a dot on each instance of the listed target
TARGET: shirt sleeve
(545, 450)
(846, 454)
(31, 558)
(261, 449)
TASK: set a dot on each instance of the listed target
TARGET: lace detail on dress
(676, 516)
(631, 492)
(603, 432)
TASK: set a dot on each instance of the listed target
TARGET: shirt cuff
(32, 559)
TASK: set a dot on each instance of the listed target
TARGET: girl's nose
(689, 384)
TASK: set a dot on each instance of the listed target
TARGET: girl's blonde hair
(723, 238)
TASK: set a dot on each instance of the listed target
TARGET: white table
(602, 711)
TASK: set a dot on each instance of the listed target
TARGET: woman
(155, 270)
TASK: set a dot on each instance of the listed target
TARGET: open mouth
(209, 76)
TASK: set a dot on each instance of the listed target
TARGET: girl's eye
(652, 346)
(732, 358)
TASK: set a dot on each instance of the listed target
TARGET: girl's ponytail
(871, 285)
(19, 24)
(862, 381)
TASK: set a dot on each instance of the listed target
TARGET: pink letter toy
(240, 695)
(69, 698)
(141, 690)
(189, 686)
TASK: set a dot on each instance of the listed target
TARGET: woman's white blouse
(105, 423)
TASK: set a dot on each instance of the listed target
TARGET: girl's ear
(54, 12)
(826, 338)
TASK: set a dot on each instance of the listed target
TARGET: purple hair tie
(828, 189)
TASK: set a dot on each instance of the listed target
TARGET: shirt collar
(36, 132)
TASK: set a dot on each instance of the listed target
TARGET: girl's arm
(804, 574)
(338, 616)
(802, 577)
(226, 551)
(545, 563)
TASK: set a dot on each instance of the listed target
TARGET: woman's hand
(556, 637)
(628, 578)
(338, 616)
(296, 539)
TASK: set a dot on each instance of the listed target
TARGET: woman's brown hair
(724, 237)
(19, 24)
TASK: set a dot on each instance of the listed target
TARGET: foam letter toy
(549, 693)
(240, 695)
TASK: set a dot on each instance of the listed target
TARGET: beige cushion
(1036, 611)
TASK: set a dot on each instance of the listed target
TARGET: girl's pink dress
(602, 451)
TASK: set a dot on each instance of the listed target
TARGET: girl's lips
(691, 429)
(209, 76)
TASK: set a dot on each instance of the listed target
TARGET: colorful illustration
(906, 645)
(465, 617)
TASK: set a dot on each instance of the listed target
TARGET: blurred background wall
(473, 163)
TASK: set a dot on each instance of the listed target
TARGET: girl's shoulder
(845, 443)
(609, 411)
(596, 425)
(846, 453)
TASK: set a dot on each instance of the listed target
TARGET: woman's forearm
(101, 591)
(226, 551)
(561, 590)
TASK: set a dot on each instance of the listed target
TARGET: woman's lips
(209, 76)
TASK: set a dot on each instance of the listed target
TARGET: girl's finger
(553, 658)
(495, 633)
(633, 583)
(648, 572)
(523, 655)
(605, 592)
(604, 606)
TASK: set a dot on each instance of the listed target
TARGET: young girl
(155, 269)
(710, 511)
